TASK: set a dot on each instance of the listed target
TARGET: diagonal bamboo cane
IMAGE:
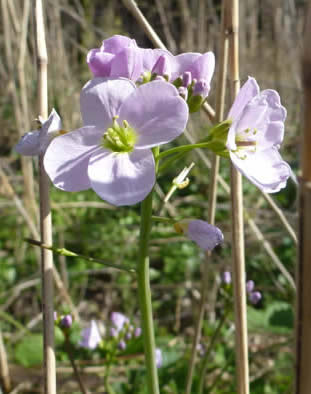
(45, 217)
(238, 268)
(220, 102)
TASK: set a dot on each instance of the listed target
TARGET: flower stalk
(145, 295)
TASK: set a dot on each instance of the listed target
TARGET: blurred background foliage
(270, 44)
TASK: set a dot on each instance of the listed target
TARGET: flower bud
(128, 335)
(186, 79)
(113, 332)
(122, 345)
(159, 358)
(66, 321)
(226, 277)
(183, 92)
(162, 67)
(250, 285)
(255, 297)
(137, 332)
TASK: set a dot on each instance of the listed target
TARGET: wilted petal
(90, 336)
(156, 112)
(29, 144)
(67, 157)
(122, 178)
(128, 64)
(205, 235)
(101, 98)
(265, 169)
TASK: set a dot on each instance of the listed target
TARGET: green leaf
(29, 352)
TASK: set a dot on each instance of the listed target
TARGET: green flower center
(119, 138)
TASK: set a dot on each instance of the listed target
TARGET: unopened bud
(66, 321)
(250, 285)
(255, 297)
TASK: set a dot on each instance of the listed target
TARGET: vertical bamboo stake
(45, 216)
(4, 368)
(220, 100)
(303, 322)
(238, 269)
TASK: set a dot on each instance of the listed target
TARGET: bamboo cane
(238, 268)
(45, 217)
(303, 322)
(4, 368)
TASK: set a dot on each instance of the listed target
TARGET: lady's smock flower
(255, 136)
(119, 320)
(111, 154)
(35, 142)
(205, 235)
(90, 336)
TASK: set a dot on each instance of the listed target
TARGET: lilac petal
(49, 129)
(183, 62)
(122, 178)
(128, 64)
(90, 336)
(67, 157)
(29, 145)
(249, 90)
(151, 56)
(158, 357)
(116, 43)
(101, 98)
(205, 235)
(99, 62)
(265, 169)
(118, 319)
(156, 112)
(203, 67)
(250, 285)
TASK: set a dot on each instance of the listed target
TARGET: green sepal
(195, 103)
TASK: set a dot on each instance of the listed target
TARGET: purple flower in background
(119, 320)
(90, 336)
(137, 332)
(112, 153)
(159, 357)
(255, 136)
(255, 297)
(113, 332)
(35, 142)
(226, 277)
(66, 321)
(250, 285)
(202, 233)
(122, 345)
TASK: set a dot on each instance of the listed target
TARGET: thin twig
(45, 217)
(212, 197)
(238, 268)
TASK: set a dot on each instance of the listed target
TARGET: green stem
(145, 295)
(208, 352)
(70, 253)
(184, 148)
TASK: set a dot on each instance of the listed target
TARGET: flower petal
(122, 178)
(205, 235)
(101, 98)
(128, 64)
(203, 67)
(29, 145)
(116, 43)
(67, 157)
(183, 62)
(249, 90)
(265, 169)
(99, 62)
(49, 129)
(156, 112)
